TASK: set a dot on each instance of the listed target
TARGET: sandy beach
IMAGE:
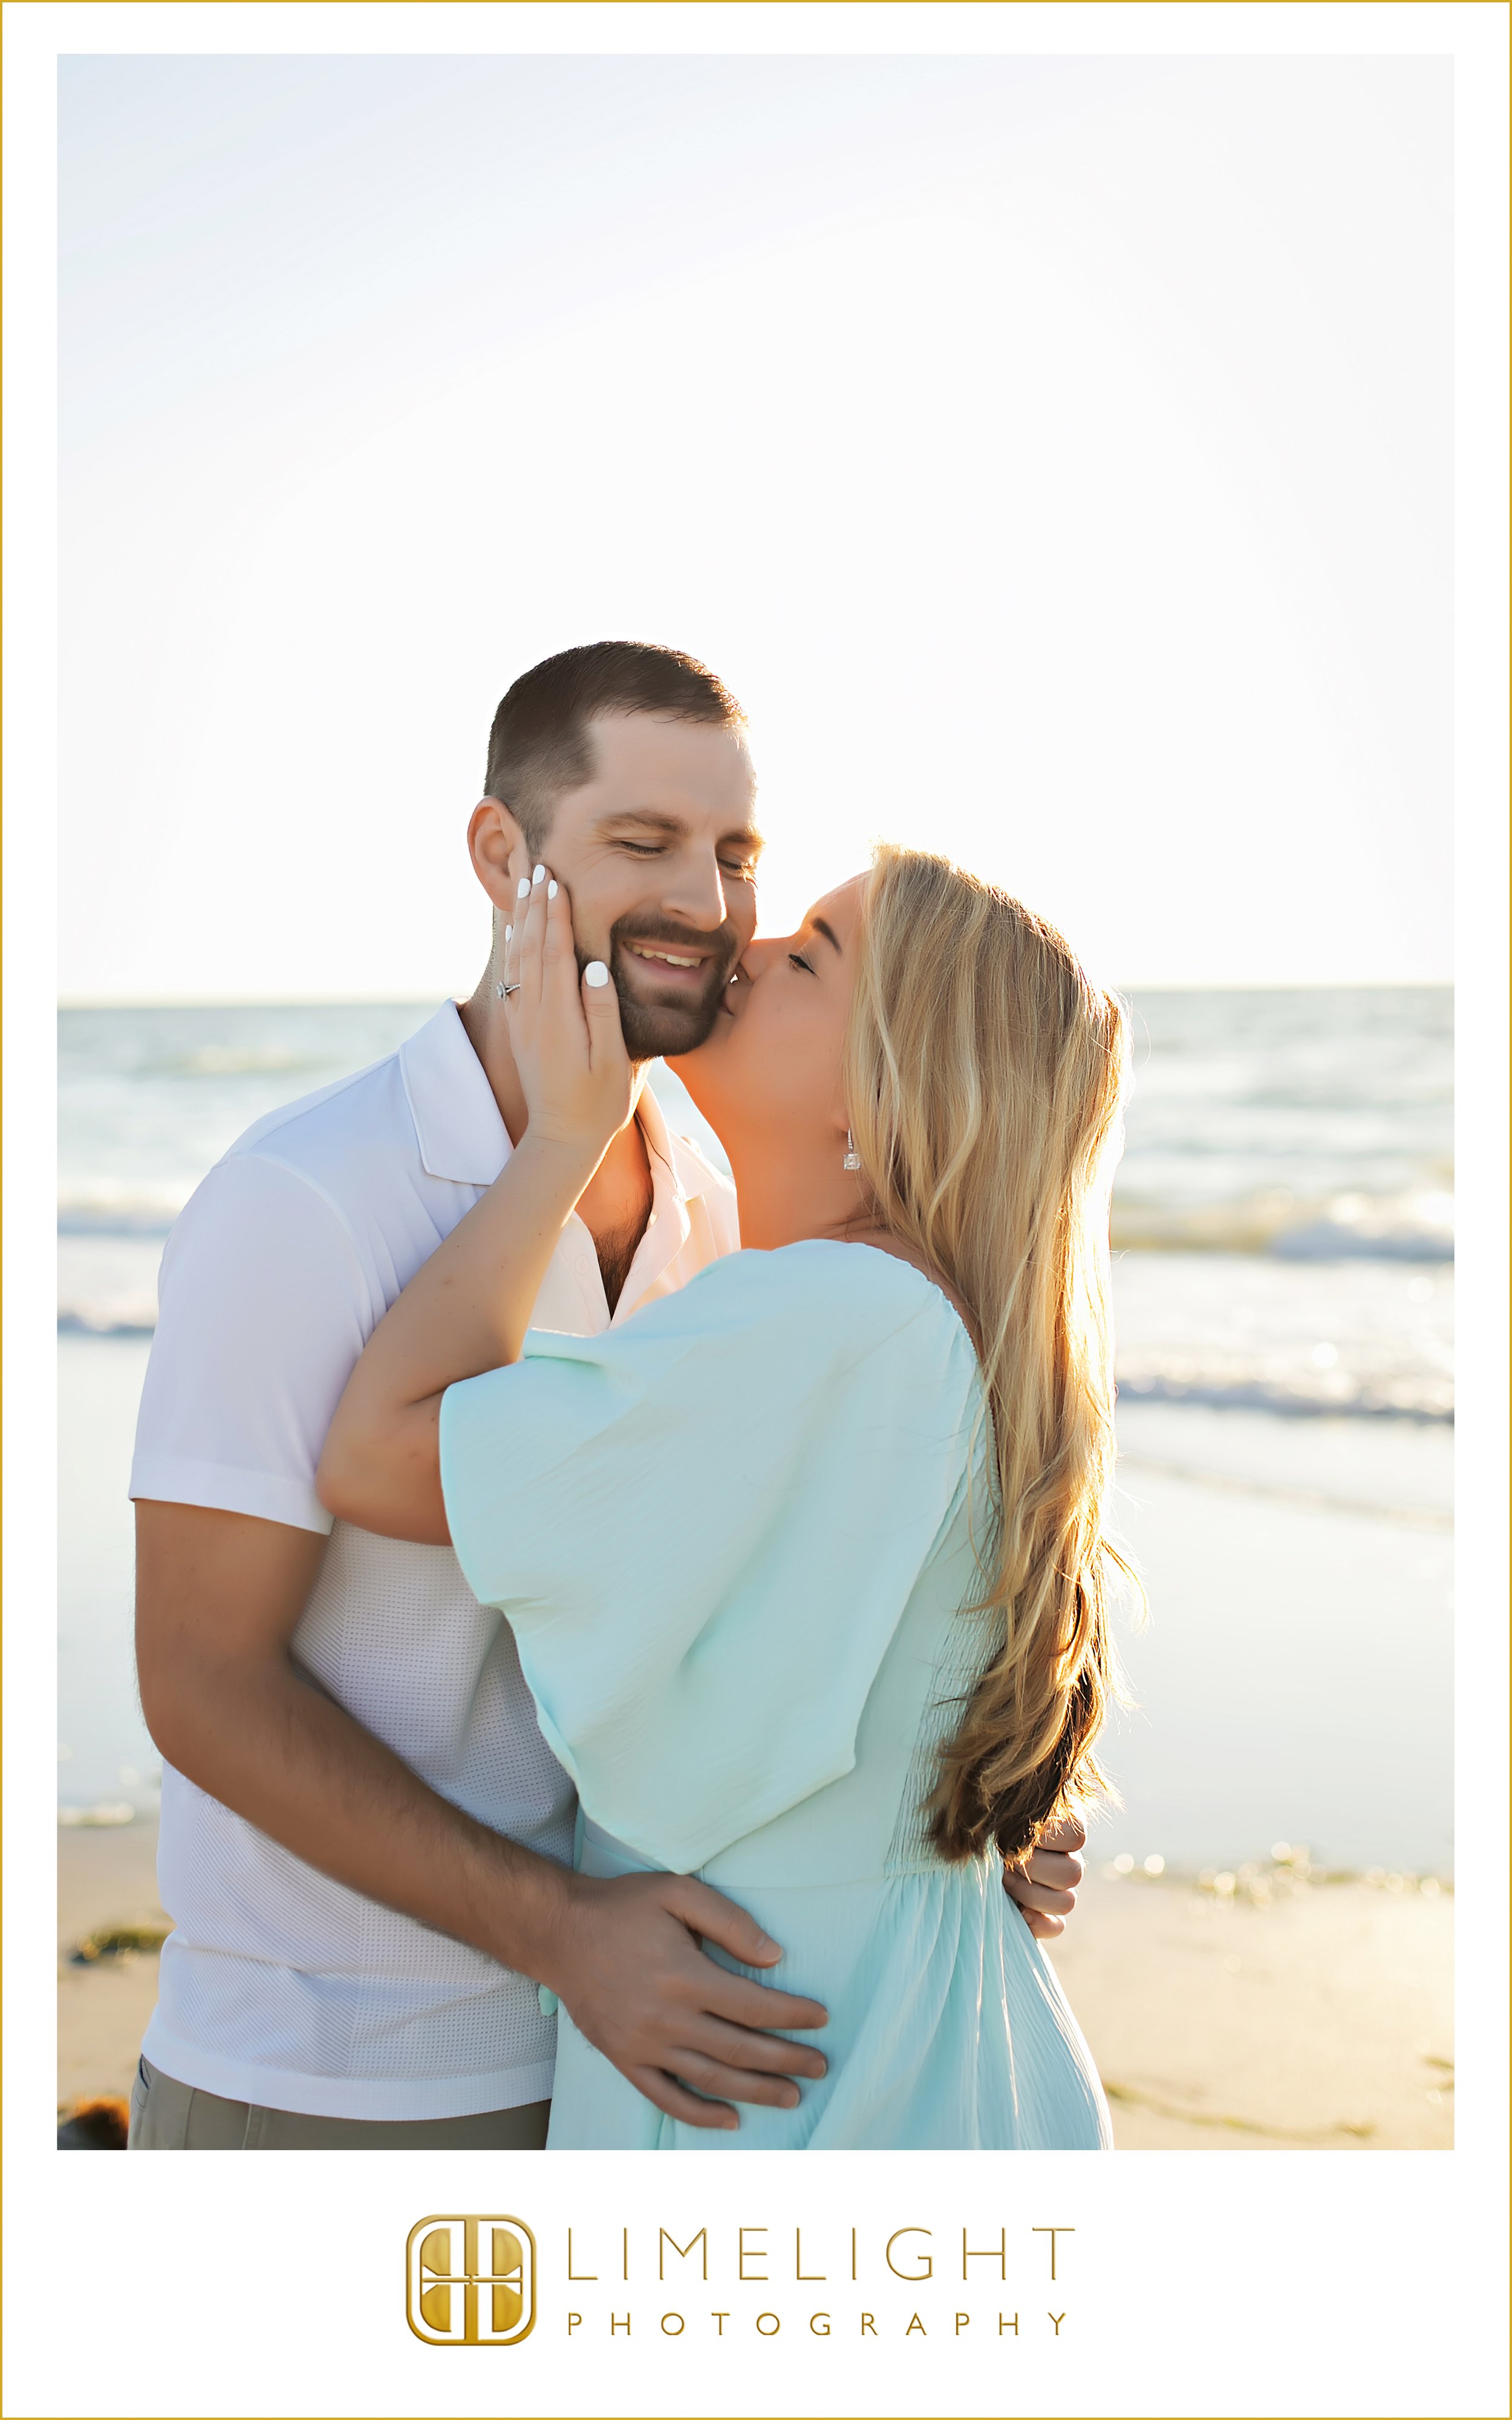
(106, 1880)
(1321, 2019)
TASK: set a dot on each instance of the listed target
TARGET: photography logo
(470, 2281)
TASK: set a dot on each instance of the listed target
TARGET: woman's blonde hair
(984, 1079)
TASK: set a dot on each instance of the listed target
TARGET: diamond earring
(853, 1158)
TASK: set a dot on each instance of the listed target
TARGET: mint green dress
(731, 1539)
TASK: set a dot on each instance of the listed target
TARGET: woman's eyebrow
(820, 926)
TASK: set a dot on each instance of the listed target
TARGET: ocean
(1284, 1297)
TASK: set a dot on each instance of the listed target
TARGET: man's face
(659, 854)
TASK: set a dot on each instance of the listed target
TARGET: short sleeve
(263, 1310)
(704, 1529)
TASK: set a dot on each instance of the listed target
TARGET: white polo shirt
(279, 1985)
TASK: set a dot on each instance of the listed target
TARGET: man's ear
(498, 850)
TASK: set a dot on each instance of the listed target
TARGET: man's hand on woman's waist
(626, 1964)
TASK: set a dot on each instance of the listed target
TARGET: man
(364, 1839)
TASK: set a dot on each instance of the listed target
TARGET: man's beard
(664, 1030)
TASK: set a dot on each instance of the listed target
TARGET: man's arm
(219, 1596)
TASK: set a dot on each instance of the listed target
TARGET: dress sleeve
(704, 1529)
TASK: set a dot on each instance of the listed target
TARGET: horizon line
(435, 999)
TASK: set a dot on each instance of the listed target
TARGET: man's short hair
(540, 744)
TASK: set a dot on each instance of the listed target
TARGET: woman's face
(771, 1068)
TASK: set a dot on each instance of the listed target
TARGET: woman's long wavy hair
(984, 1079)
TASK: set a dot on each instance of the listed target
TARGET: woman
(806, 1563)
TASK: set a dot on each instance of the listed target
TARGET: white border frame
(1299, 2283)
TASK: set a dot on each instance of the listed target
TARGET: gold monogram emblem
(470, 2281)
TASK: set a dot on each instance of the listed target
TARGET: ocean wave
(1368, 1335)
(1348, 1226)
(147, 1212)
(1403, 1400)
(97, 1320)
(1349, 1339)
(1299, 1394)
(1418, 1226)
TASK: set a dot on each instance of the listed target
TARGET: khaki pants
(167, 2115)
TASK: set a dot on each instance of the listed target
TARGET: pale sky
(1054, 455)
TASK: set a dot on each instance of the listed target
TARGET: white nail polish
(523, 889)
(596, 974)
(539, 875)
(550, 889)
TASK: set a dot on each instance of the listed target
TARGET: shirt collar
(679, 1163)
(461, 1135)
(463, 1139)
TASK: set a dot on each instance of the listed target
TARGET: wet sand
(1321, 2018)
(1295, 1678)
